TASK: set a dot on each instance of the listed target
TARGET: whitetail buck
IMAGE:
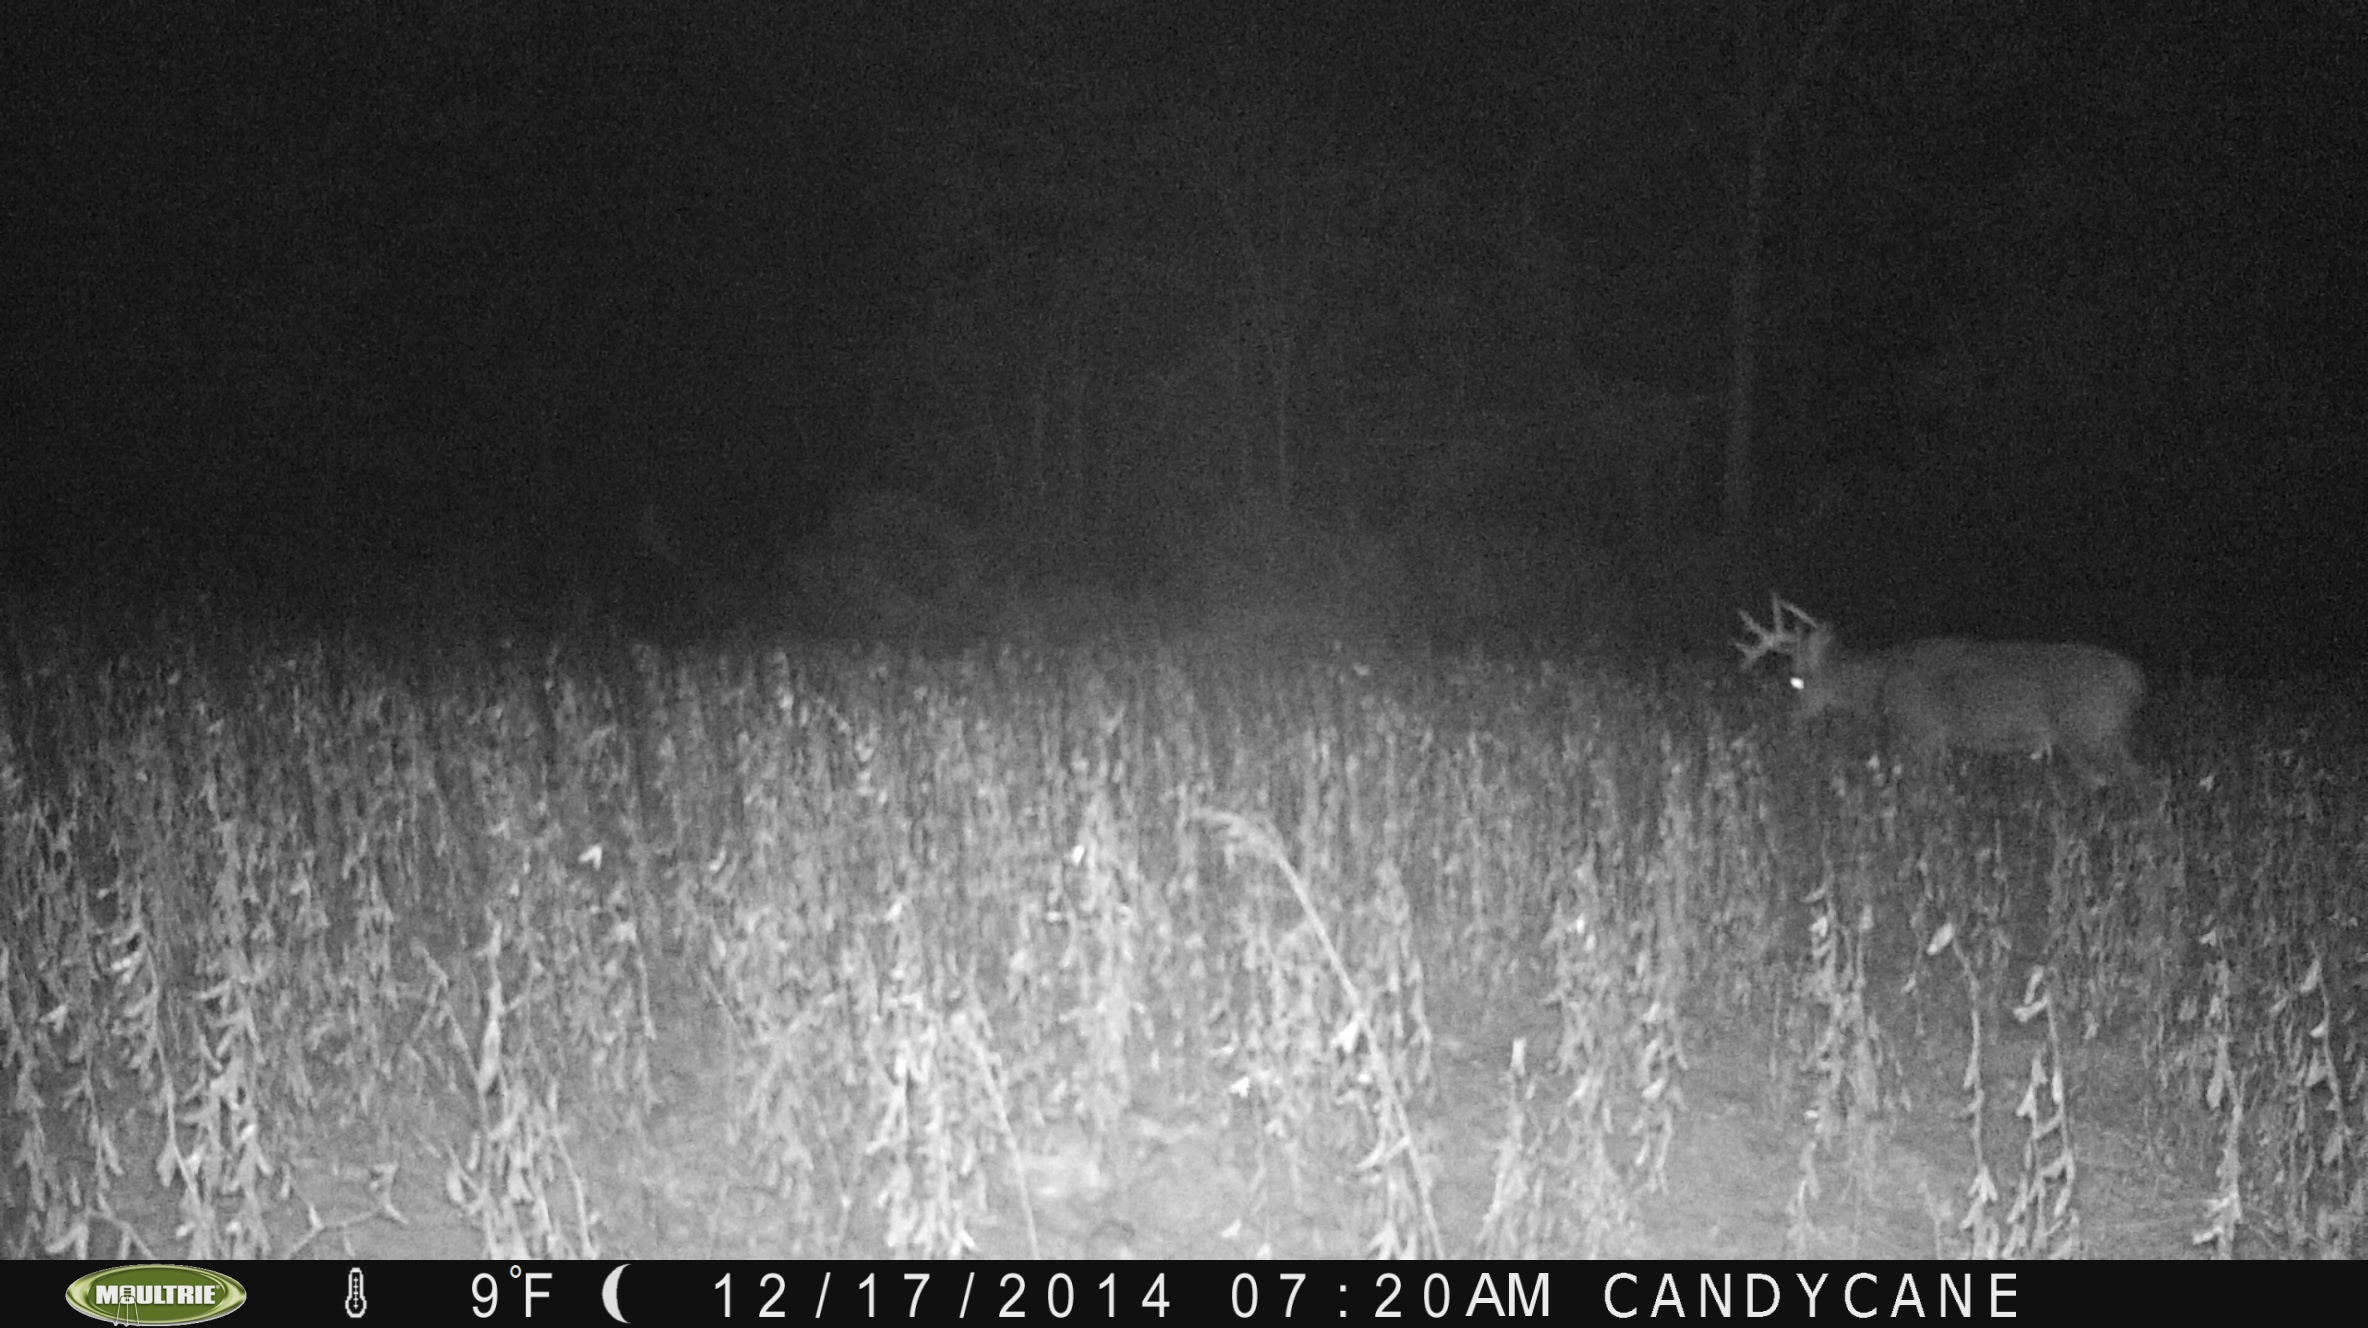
(1985, 696)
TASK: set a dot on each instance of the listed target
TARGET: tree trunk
(1739, 480)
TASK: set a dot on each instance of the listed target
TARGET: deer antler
(1779, 638)
(1802, 623)
(1765, 640)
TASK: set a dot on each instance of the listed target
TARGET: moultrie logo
(155, 1293)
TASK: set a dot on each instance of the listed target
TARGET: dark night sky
(2061, 310)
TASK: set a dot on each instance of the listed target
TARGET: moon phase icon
(608, 1292)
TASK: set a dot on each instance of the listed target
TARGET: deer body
(2026, 698)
